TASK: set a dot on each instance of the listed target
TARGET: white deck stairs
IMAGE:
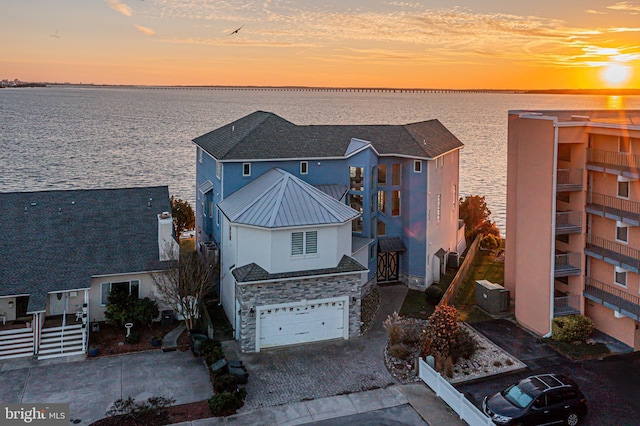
(61, 341)
(16, 343)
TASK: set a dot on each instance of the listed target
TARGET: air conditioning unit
(453, 259)
(209, 250)
(491, 297)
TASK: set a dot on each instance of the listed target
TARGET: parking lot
(611, 385)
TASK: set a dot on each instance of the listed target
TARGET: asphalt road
(611, 385)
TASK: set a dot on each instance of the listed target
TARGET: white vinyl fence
(454, 399)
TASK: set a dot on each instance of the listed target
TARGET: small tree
(186, 285)
(475, 214)
(183, 216)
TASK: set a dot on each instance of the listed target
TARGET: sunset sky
(501, 44)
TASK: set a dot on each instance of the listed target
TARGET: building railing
(612, 297)
(614, 253)
(613, 207)
(618, 160)
(569, 180)
(566, 305)
(568, 222)
(567, 264)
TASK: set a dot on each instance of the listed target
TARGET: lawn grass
(415, 304)
(483, 268)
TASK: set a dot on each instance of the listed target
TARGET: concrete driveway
(91, 386)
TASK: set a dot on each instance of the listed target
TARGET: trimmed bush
(225, 383)
(209, 346)
(572, 328)
(433, 294)
(399, 351)
(225, 403)
(464, 346)
(213, 355)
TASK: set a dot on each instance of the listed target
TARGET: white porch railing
(62, 341)
(16, 343)
(454, 399)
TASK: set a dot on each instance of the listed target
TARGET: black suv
(537, 400)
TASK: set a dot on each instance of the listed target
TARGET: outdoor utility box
(491, 297)
(167, 317)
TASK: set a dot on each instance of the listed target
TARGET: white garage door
(305, 322)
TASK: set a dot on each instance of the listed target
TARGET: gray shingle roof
(278, 199)
(58, 240)
(252, 272)
(264, 135)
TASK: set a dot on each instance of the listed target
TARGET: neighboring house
(62, 253)
(573, 211)
(400, 182)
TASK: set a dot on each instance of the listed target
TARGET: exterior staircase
(16, 343)
(61, 341)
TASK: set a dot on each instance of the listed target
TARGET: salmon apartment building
(573, 219)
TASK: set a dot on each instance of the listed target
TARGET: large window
(382, 174)
(382, 201)
(622, 233)
(395, 203)
(304, 243)
(356, 178)
(396, 173)
(355, 201)
(130, 287)
(623, 189)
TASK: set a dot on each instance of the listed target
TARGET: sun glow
(616, 74)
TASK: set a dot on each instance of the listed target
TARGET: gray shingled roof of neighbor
(58, 240)
(278, 199)
(264, 136)
(254, 273)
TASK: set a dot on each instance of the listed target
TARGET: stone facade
(250, 296)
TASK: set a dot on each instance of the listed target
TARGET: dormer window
(246, 169)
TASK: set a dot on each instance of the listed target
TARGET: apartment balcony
(567, 264)
(566, 305)
(568, 223)
(616, 254)
(619, 300)
(569, 180)
(617, 163)
(613, 208)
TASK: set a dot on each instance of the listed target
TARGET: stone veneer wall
(271, 293)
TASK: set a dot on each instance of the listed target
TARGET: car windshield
(518, 397)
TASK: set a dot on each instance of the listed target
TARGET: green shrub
(133, 337)
(464, 346)
(490, 242)
(209, 346)
(433, 294)
(145, 412)
(123, 308)
(572, 328)
(225, 403)
(213, 355)
(225, 383)
(399, 351)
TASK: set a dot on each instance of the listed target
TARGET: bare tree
(186, 285)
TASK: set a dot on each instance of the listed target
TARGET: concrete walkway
(170, 340)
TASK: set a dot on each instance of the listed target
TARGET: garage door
(301, 323)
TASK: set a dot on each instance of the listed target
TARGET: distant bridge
(327, 89)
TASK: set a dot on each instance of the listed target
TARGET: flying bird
(235, 31)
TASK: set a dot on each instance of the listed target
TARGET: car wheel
(572, 419)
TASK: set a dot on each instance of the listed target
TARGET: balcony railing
(569, 180)
(568, 223)
(613, 208)
(613, 298)
(566, 305)
(613, 253)
(621, 161)
(567, 264)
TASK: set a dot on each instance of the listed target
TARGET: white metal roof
(278, 199)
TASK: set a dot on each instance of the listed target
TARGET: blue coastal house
(288, 208)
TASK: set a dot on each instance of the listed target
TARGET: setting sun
(616, 74)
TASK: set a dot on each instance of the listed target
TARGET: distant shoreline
(605, 92)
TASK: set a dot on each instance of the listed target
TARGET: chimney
(167, 244)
